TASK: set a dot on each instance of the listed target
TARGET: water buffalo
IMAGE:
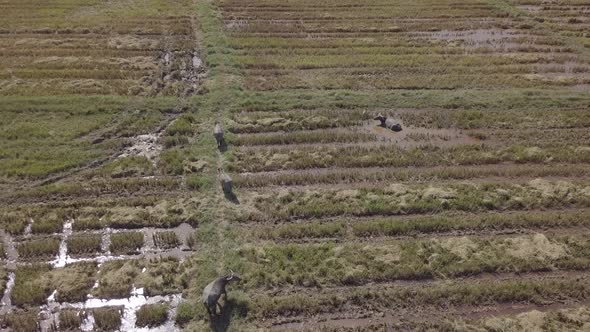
(215, 289)
(388, 123)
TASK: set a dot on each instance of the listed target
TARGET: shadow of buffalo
(231, 308)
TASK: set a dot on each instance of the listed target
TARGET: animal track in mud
(145, 146)
(178, 70)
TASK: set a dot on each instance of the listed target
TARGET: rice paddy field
(474, 217)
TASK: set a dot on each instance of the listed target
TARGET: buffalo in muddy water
(388, 123)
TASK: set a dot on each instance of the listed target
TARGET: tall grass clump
(22, 321)
(14, 223)
(30, 289)
(70, 320)
(88, 223)
(74, 281)
(84, 244)
(185, 312)
(116, 278)
(126, 242)
(47, 226)
(49, 223)
(166, 240)
(107, 319)
(39, 249)
(152, 315)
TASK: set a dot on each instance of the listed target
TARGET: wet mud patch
(10, 253)
(132, 42)
(235, 24)
(6, 299)
(178, 73)
(530, 8)
(495, 39)
(411, 137)
(147, 146)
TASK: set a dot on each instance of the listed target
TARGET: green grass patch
(198, 181)
(84, 223)
(3, 279)
(47, 135)
(47, 226)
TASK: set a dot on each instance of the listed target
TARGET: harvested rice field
(468, 209)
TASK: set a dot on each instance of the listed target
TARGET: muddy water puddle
(28, 229)
(471, 39)
(129, 306)
(148, 250)
(6, 301)
(61, 259)
(50, 312)
(9, 247)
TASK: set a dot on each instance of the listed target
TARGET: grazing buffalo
(218, 133)
(226, 182)
(214, 290)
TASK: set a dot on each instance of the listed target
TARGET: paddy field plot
(474, 216)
